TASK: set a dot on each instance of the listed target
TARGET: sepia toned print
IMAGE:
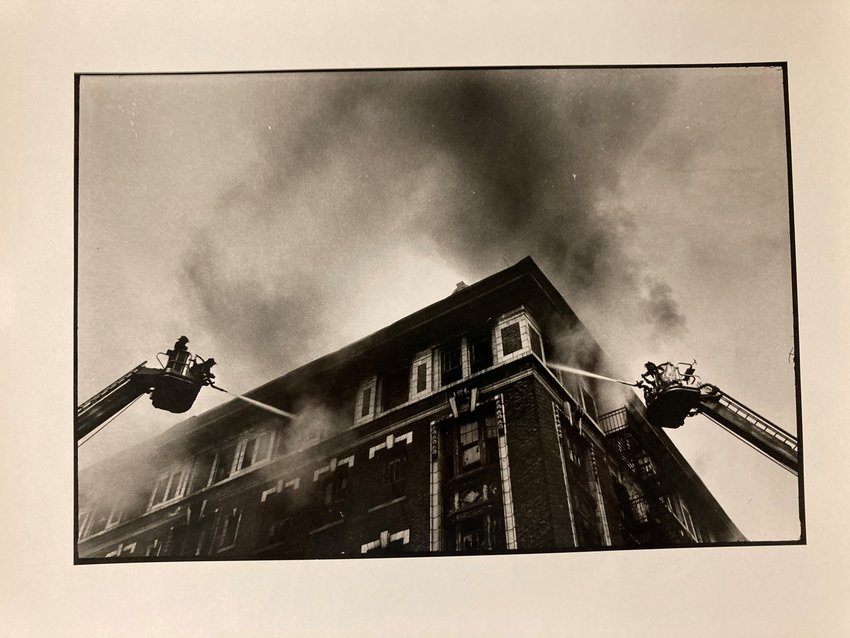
(607, 218)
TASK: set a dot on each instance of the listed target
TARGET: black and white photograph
(424, 319)
(414, 312)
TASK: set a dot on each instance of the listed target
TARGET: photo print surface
(365, 313)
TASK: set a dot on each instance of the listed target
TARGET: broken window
(470, 445)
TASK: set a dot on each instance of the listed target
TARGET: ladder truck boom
(173, 387)
(673, 395)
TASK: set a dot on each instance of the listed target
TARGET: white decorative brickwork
(332, 465)
(559, 431)
(505, 473)
(390, 441)
(385, 539)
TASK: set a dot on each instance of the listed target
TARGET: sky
(273, 218)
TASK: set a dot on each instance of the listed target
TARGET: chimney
(460, 286)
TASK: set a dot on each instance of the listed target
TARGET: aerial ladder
(673, 394)
(173, 387)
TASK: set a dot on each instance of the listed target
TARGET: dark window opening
(450, 364)
(225, 463)
(536, 344)
(277, 516)
(331, 495)
(481, 350)
(421, 377)
(395, 388)
(367, 402)
(203, 469)
(479, 533)
(229, 529)
(395, 471)
(511, 339)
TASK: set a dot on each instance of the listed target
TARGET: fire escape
(650, 517)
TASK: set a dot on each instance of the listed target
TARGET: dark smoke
(482, 167)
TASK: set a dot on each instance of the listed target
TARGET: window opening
(257, 449)
(536, 344)
(173, 490)
(203, 470)
(450, 364)
(395, 388)
(421, 377)
(367, 401)
(481, 350)
(229, 529)
(511, 339)
(224, 463)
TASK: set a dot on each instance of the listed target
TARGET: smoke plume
(360, 175)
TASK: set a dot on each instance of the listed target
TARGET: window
(256, 449)
(335, 490)
(481, 350)
(470, 448)
(394, 471)
(330, 495)
(224, 463)
(228, 529)
(203, 470)
(115, 515)
(422, 377)
(174, 485)
(367, 402)
(169, 486)
(536, 344)
(481, 532)
(472, 443)
(511, 339)
(277, 516)
(395, 388)
(450, 364)
(83, 519)
(589, 404)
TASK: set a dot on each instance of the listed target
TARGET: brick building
(443, 432)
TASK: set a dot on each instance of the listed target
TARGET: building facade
(444, 432)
